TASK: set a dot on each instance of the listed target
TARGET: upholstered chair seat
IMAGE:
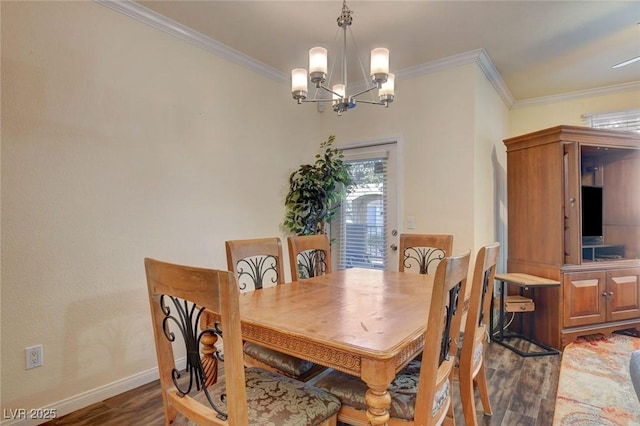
(404, 388)
(478, 352)
(281, 362)
(275, 400)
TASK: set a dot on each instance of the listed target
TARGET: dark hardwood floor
(522, 391)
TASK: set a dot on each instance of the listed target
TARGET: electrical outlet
(34, 356)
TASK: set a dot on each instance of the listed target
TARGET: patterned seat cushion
(351, 391)
(289, 365)
(276, 400)
(478, 351)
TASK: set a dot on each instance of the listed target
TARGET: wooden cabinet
(574, 216)
(623, 294)
(585, 300)
(601, 296)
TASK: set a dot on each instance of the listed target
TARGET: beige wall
(448, 124)
(490, 173)
(569, 110)
(121, 142)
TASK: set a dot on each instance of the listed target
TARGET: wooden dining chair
(421, 392)
(418, 252)
(257, 263)
(309, 256)
(179, 296)
(471, 369)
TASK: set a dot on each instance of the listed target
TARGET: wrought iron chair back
(178, 296)
(422, 252)
(309, 256)
(256, 262)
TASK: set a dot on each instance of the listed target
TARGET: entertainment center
(574, 216)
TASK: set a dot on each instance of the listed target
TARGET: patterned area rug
(595, 388)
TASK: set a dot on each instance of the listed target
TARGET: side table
(523, 281)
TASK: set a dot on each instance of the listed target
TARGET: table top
(526, 280)
(369, 313)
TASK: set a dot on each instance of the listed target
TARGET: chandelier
(380, 78)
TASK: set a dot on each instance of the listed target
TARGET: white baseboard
(82, 400)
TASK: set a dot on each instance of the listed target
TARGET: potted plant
(315, 191)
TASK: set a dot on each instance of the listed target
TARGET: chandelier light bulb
(379, 65)
(338, 92)
(380, 61)
(317, 64)
(299, 83)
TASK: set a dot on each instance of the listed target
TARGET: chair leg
(467, 397)
(450, 418)
(481, 379)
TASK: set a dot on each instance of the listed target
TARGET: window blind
(359, 227)
(622, 120)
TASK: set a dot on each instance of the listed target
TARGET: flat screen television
(592, 229)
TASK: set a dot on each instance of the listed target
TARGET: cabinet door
(584, 298)
(571, 189)
(623, 294)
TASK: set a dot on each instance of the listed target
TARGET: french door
(364, 231)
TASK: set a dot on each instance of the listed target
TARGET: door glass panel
(361, 229)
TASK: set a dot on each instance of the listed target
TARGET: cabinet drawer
(518, 304)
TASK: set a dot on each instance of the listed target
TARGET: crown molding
(599, 91)
(477, 56)
(169, 26)
(494, 77)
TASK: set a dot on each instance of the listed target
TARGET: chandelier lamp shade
(379, 76)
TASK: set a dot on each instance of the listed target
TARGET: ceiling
(539, 48)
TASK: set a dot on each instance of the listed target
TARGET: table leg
(378, 402)
(378, 377)
(209, 351)
(209, 358)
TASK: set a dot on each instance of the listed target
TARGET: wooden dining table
(364, 322)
